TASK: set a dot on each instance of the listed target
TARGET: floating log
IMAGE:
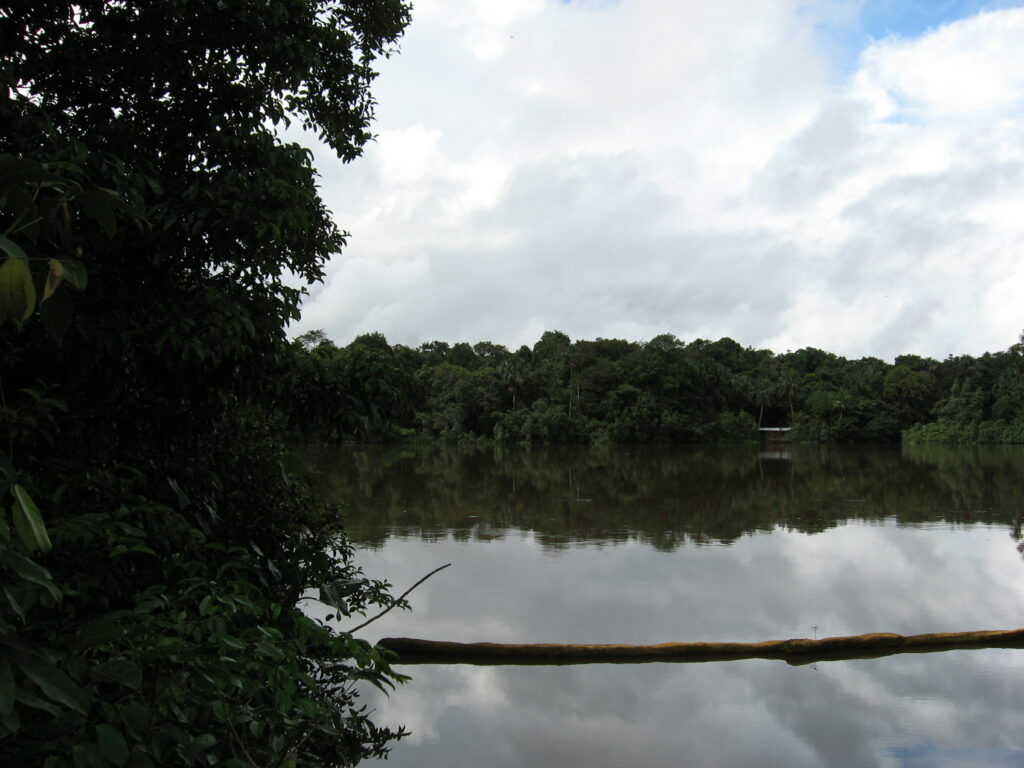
(795, 651)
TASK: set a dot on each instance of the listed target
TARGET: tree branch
(397, 600)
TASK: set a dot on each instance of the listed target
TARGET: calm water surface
(655, 545)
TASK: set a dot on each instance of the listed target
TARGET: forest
(612, 391)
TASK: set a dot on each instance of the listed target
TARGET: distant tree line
(664, 390)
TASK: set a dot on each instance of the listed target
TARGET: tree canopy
(163, 541)
(661, 391)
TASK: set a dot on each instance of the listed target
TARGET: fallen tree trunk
(796, 651)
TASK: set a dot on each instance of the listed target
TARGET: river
(658, 544)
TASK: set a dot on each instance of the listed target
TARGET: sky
(840, 174)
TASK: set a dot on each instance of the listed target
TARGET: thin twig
(240, 742)
(294, 750)
(399, 599)
(12, 231)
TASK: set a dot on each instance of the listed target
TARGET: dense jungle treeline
(611, 391)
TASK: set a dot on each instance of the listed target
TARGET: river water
(648, 545)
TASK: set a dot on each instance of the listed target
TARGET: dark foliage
(661, 391)
(151, 605)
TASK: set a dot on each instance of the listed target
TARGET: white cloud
(965, 68)
(627, 169)
(407, 155)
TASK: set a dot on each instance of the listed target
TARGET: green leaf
(74, 273)
(18, 169)
(284, 696)
(327, 597)
(99, 206)
(7, 687)
(135, 718)
(54, 683)
(30, 570)
(15, 605)
(308, 706)
(335, 592)
(10, 721)
(28, 522)
(220, 711)
(203, 742)
(175, 735)
(120, 671)
(19, 201)
(54, 276)
(88, 755)
(97, 633)
(55, 314)
(6, 467)
(12, 249)
(359, 650)
(182, 497)
(30, 700)
(249, 327)
(17, 292)
(112, 744)
(268, 649)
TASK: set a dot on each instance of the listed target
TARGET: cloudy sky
(841, 174)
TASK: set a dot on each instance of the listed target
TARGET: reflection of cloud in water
(857, 578)
(752, 712)
(830, 543)
(954, 708)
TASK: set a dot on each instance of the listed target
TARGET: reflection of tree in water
(664, 496)
(980, 477)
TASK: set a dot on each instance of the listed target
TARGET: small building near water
(775, 434)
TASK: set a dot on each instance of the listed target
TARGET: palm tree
(762, 392)
(788, 385)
